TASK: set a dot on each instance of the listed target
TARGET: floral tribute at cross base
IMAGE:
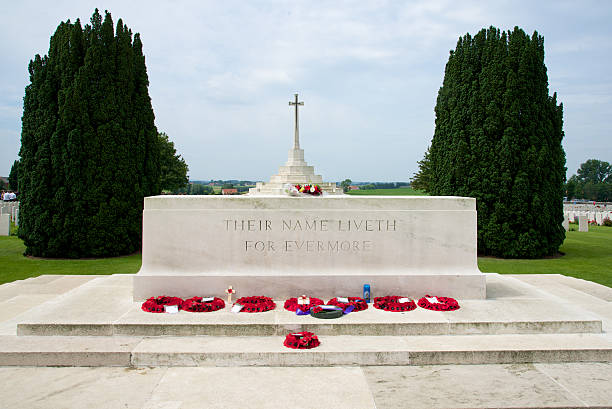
(156, 304)
(292, 304)
(358, 304)
(199, 304)
(314, 190)
(443, 304)
(301, 340)
(394, 303)
(256, 304)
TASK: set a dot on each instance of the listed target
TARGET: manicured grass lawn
(400, 191)
(587, 256)
(14, 266)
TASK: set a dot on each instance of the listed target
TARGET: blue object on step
(366, 292)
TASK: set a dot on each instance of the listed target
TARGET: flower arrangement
(313, 190)
(156, 304)
(199, 304)
(359, 304)
(442, 304)
(256, 304)
(394, 303)
(301, 340)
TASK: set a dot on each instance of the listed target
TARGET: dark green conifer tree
(498, 138)
(89, 148)
(13, 178)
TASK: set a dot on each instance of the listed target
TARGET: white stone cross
(296, 138)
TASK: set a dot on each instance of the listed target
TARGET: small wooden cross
(229, 292)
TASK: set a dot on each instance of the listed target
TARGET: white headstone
(566, 222)
(17, 216)
(583, 223)
(5, 224)
(599, 218)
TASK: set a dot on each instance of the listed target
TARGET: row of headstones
(587, 207)
(593, 217)
(9, 212)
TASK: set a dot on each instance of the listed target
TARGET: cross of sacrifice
(296, 137)
(229, 292)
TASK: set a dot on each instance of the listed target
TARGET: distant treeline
(381, 185)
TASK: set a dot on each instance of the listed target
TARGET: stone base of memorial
(282, 246)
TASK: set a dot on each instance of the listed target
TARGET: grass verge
(588, 255)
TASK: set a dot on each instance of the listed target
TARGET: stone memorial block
(5, 224)
(282, 246)
(583, 223)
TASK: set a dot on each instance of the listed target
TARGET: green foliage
(595, 171)
(498, 138)
(593, 182)
(227, 186)
(607, 223)
(173, 167)
(89, 146)
(401, 191)
(14, 177)
(422, 179)
(196, 189)
(345, 184)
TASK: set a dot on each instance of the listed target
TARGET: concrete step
(334, 350)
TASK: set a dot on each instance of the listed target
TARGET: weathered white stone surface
(566, 220)
(5, 224)
(583, 223)
(282, 246)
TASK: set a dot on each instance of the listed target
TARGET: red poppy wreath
(199, 304)
(443, 303)
(359, 303)
(394, 303)
(156, 304)
(301, 340)
(292, 304)
(256, 304)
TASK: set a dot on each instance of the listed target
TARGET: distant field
(402, 191)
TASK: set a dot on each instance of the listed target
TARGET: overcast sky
(222, 72)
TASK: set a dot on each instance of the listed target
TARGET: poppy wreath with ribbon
(292, 304)
(156, 304)
(391, 303)
(301, 340)
(443, 304)
(196, 304)
(358, 303)
(326, 313)
(256, 304)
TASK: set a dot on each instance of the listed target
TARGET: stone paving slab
(66, 351)
(380, 350)
(422, 387)
(588, 287)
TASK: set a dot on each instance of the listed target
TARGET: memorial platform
(94, 322)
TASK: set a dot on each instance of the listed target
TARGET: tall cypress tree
(498, 138)
(89, 149)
